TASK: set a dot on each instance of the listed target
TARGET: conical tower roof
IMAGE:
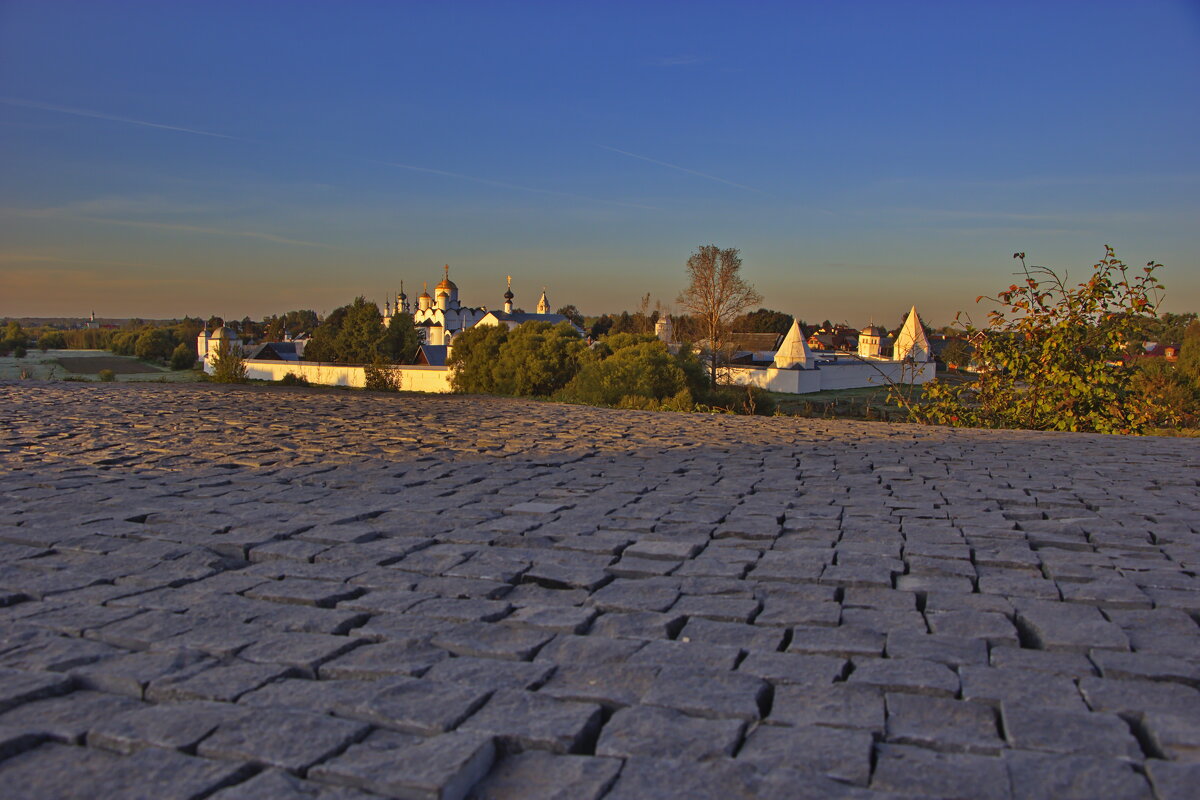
(911, 342)
(793, 352)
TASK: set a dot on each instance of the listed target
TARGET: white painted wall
(846, 375)
(412, 378)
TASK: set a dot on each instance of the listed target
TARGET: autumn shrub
(1053, 356)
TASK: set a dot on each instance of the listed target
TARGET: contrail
(503, 185)
(82, 112)
(698, 174)
(54, 213)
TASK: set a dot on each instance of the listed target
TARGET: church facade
(442, 316)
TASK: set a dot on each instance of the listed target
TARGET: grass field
(85, 365)
(866, 403)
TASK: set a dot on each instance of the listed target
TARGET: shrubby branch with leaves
(1053, 356)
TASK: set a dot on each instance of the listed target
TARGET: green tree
(475, 353)
(52, 340)
(764, 320)
(538, 359)
(361, 334)
(382, 377)
(572, 313)
(1053, 356)
(1169, 397)
(956, 354)
(183, 356)
(400, 340)
(1189, 353)
(632, 370)
(153, 344)
(229, 362)
(354, 334)
(533, 359)
(715, 295)
(601, 327)
(323, 346)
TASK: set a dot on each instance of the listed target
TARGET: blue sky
(247, 158)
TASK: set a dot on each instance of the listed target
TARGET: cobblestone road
(271, 593)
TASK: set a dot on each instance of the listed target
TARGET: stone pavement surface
(236, 592)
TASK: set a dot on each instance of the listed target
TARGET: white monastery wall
(412, 378)
(833, 376)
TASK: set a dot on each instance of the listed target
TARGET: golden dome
(446, 283)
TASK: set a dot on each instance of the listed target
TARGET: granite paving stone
(791, 668)
(637, 625)
(940, 723)
(913, 675)
(291, 740)
(1173, 734)
(66, 718)
(539, 775)
(1173, 780)
(17, 687)
(225, 682)
(406, 766)
(383, 660)
(130, 674)
(302, 651)
(1019, 687)
(78, 773)
(1071, 732)
(414, 705)
(323, 597)
(315, 696)
(174, 726)
(1039, 776)
(707, 693)
(491, 673)
(928, 773)
(529, 721)
(840, 706)
(724, 779)
(611, 685)
(840, 753)
(664, 733)
(279, 785)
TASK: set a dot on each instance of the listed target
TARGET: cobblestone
(205, 591)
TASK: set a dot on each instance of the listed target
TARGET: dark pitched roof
(274, 351)
(433, 355)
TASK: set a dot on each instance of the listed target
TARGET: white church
(442, 317)
(797, 369)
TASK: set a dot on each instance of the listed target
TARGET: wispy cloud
(83, 112)
(80, 112)
(678, 61)
(40, 258)
(505, 185)
(59, 214)
(669, 165)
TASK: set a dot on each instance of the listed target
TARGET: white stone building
(441, 317)
(207, 345)
(797, 369)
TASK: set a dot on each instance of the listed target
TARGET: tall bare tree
(715, 295)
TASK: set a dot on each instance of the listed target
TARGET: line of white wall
(412, 379)
(833, 376)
